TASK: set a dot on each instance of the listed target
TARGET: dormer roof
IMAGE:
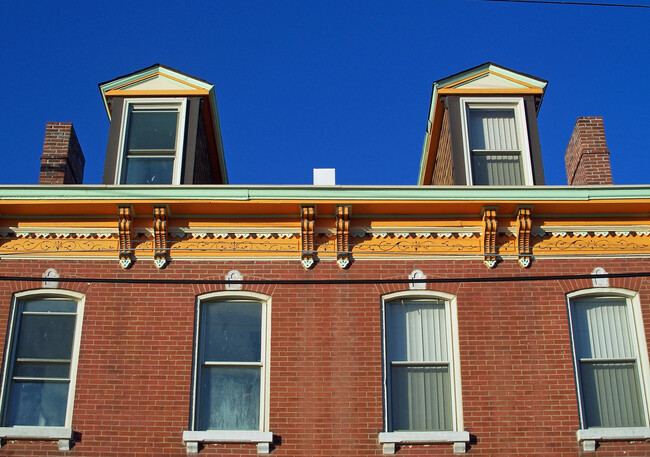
(163, 81)
(488, 79)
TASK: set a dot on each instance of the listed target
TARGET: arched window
(421, 372)
(230, 401)
(41, 364)
(611, 361)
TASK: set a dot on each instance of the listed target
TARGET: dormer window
(495, 142)
(164, 130)
(152, 142)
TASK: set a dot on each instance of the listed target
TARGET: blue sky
(304, 84)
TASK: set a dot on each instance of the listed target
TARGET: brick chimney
(587, 156)
(62, 161)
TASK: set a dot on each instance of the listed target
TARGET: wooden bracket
(524, 225)
(125, 234)
(490, 229)
(343, 256)
(308, 257)
(160, 236)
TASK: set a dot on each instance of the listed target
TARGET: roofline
(316, 193)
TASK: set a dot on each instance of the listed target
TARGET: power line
(640, 274)
(549, 2)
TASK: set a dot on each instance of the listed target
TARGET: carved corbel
(343, 257)
(490, 229)
(160, 236)
(125, 234)
(524, 225)
(307, 215)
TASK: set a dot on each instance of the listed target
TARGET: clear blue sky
(304, 84)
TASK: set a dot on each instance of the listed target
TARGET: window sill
(588, 437)
(26, 432)
(391, 439)
(262, 439)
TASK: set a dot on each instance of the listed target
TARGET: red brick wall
(134, 374)
(62, 161)
(587, 156)
(443, 170)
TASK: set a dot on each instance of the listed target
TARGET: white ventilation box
(324, 176)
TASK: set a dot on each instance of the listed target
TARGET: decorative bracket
(160, 236)
(343, 257)
(125, 232)
(490, 229)
(308, 257)
(524, 225)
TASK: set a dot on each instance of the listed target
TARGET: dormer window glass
(152, 138)
(496, 143)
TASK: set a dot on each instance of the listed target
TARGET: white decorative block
(50, 273)
(64, 445)
(263, 448)
(460, 447)
(234, 275)
(192, 447)
(417, 274)
(389, 448)
(589, 446)
(600, 282)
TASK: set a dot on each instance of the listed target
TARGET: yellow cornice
(155, 93)
(495, 91)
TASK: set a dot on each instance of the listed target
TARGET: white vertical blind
(608, 362)
(418, 351)
(494, 146)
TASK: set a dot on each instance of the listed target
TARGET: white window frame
(515, 103)
(458, 436)
(262, 437)
(178, 103)
(63, 434)
(588, 436)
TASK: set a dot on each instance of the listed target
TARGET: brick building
(169, 313)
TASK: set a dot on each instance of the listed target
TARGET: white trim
(424, 437)
(22, 432)
(74, 359)
(454, 356)
(634, 305)
(613, 434)
(179, 103)
(228, 436)
(265, 302)
(517, 104)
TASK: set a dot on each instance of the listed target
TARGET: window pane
(53, 306)
(612, 395)
(149, 170)
(417, 331)
(421, 398)
(45, 337)
(493, 129)
(42, 370)
(38, 403)
(152, 130)
(601, 328)
(497, 169)
(232, 332)
(230, 398)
